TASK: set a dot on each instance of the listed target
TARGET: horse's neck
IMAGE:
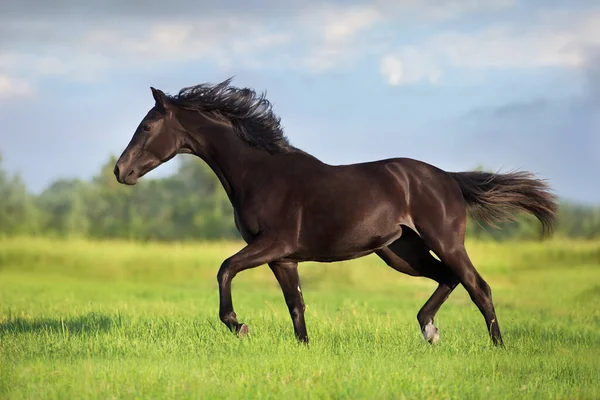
(230, 159)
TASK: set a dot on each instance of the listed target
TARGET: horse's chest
(257, 210)
(246, 224)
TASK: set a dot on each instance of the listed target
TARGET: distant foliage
(189, 205)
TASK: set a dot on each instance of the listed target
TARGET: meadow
(115, 319)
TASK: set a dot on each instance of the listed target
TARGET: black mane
(250, 114)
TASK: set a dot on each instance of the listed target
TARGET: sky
(503, 84)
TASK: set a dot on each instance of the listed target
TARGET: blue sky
(457, 83)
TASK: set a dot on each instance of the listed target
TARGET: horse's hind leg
(455, 256)
(411, 256)
(430, 309)
(478, 289)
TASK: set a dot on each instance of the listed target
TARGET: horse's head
(157, 139)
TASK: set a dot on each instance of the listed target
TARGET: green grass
(83, 319)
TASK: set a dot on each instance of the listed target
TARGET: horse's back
(339, 210)
(345, 210)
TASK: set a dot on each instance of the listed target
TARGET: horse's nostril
(123, 174)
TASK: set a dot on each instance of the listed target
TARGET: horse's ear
(160, 98)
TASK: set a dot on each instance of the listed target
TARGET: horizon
(503, 84)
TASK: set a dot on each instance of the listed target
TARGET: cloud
(592, 79)
(419, 68)
(556, 40)
(84, 41)
(557, 137)
(332, 35)
(212, 39)
(14, 88)
(159, 10)
(440, 10)
(587, 100)
(515, 109)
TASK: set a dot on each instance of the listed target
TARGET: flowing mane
(250, 113)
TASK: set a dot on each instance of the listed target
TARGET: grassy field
(83, 319)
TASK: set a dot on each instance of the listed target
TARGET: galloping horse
(291, 207)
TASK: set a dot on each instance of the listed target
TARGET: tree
(64, 208)
(18, 213)
(190, 204)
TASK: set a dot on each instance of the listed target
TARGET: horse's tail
(498, 197)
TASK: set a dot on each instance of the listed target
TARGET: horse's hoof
(243, 330)
(431, 333)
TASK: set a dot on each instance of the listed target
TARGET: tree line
(188, 205)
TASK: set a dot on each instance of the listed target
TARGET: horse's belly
(347, 245)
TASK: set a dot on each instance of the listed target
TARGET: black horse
(291, 207)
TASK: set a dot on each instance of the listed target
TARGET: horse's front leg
(263, 250)
(287, 276)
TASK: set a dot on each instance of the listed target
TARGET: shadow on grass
(88, 323)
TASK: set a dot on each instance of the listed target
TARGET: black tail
(498, 197)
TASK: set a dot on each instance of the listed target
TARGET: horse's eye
(146, 128)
